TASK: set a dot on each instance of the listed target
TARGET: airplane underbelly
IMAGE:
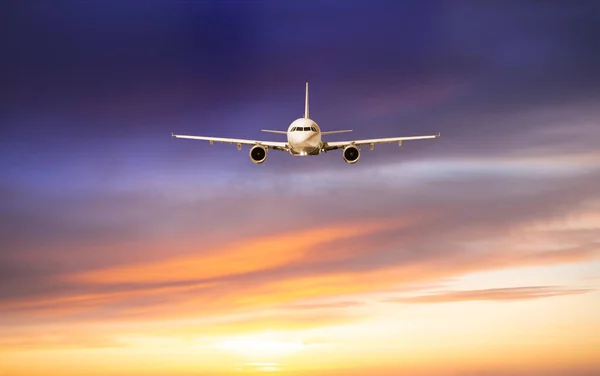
(305, 149)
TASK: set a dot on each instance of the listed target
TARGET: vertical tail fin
(306, 103)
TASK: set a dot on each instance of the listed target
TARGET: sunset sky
(125, 252)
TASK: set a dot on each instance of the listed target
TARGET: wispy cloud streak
(498, 294)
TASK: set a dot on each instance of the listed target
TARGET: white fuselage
(304, 137)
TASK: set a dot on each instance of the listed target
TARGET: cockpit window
(293, 129)
(313, 129)
(306, 129)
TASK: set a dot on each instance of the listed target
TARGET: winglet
(306, 103)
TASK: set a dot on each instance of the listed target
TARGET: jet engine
(258, 154)
(351, 154)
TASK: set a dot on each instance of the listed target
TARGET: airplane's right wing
(239, 141)
(342, 144)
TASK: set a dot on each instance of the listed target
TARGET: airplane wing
(341, 144)
(239, 141)
(336, 132)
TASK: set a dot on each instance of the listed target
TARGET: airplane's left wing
(341, 144)
(239, 141)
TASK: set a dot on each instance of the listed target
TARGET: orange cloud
(80, 303)
(343, 283)
(65, 339)
(235, 258)
(324, 305)
(510, 293)
(294, 277)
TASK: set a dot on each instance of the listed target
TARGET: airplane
(304, 138)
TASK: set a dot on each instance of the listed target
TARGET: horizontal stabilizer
(336, 132)
(270, 131)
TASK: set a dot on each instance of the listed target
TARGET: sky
(126, 252)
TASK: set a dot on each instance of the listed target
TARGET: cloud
(241, 258)
(451, 371)
(274, 288)
(558, 371)
(191, 330)
(496, 294)
(324, 305)
(418, 227)
(64, 339)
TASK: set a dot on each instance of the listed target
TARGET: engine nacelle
(258, 154)
(351, 154)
